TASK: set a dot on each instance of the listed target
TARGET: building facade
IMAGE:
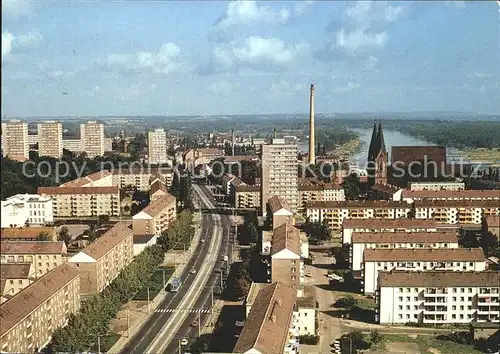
(100, 263)
(436, 186)
(157, 147)
(15, 277)
(28, 233)
(376, 260)
(50, 141)
(377, 157)
(438, 297)
(30, 317)
(26, 209)
(44, 255)
(156, 217)
(279, 173)
(73, 145)
(311, 190)
(92, 138)
(247, 197)
(456, 211)
(15, 140)
(412, 196)
(279, 212)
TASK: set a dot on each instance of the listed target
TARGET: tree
(43, 236)
(103, 219)
(352, 342)
(376, 337)
(352, 187)
(92, 235)
(241, 287)
(348, 302)
(64, 235)
(126, 208)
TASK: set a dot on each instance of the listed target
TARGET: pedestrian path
(183, 310)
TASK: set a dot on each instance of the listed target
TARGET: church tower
(377, 157)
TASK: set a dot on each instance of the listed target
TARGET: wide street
(171, 321)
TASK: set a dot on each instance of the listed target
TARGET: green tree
(353, 342)
(352, 187)
(376, 337)
(348, 302)
(103, 219)
(241, 287)
(64, 235)
(43, 236)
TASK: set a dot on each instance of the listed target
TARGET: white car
(193, 271)
(184, 341)
(202, 240)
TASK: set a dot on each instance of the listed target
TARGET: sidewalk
(210, 322)
(138, 311)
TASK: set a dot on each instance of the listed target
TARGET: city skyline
(248, 58)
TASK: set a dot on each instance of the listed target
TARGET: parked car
(193, 271)
(194, 324)
(184, 341)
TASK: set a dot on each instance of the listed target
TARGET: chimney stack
(312, 143)
(232, 142)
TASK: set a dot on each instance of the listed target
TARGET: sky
(99, 58)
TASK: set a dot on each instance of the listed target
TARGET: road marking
(172, 310)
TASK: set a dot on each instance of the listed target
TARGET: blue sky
(247, 57)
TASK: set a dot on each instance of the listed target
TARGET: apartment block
(336, 212)
(157, 147)
(270, 327)
(436, 186)
(247, 197)
(141, 178)
(98, 179)
(92, 138)
(15, 140)
(50, 141)
(29, 318)
(83, 201)
(376, 260)
(400, 239)
(312, 190)
(156, 217)
(14, 278)
(411, 196)
(26, 209)
(384, 191)
(44, 255)
(100, 263)
(28, 233)
(438, 297)
(279, 212)
(279, 173)
(196, 157)
(491, 224)
(73, 145)
(157, 190)
(456, 211)
(349, 226)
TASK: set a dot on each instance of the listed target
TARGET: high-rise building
(92, 138)
(15, 140)
(157, 147)
(279, 167)
(50, 141)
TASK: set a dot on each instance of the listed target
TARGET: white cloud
(29, 40)
(162, 63)
(17, 8)
(7, 41)
(243, 12)
(360, 39)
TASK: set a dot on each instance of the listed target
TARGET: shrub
(308, 339)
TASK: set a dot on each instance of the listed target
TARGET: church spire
(380, 138)
(373, 143)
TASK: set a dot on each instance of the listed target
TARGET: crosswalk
(183, 310)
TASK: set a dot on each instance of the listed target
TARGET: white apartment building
(411, 196)
(349, 226)
(157, 147)
(279, 171)
(73, 145)
(15, 140)
(92, 138)
(98, 179)
(436, 186)
(50, 141)
(335, 212)
(22, 209)
(385, 240)
(456, 211)
(438, 297)
(376, 260)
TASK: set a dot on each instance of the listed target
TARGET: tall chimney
(312, 143)
(232, 142)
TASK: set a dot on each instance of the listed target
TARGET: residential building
(312, 190)
(98, 179)
(29, 318)
(412, 196)
(384, 191)
(156, 217)
(456, 211)
(157, 190)
(141, 177)
(491, 224)
(438, 297)
(15, 140)
(100, 262)
(279, 173)
(376, 260)
(28, 233)
(44, 255)
(141, 242)
(157, 147)
(400, 239)
(247, 197)
(257, 144)
(92, 138)
(279, 212)
(196, 157)
(436, 186)
(14, 278)
(83, 201)
(26, 209)
(32, 140)
(271, 327)
(73, 145)
(335, 212)
(108, 144)
(349, 226)
(50, 141)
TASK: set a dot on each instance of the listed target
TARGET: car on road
(184, 341)
(309, 275)
(193, 271)
(194, 324)
(202, 240)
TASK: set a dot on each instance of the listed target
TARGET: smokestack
(275, 135)
(312, 143)
(232, 142)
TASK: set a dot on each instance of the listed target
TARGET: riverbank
(349, 149)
